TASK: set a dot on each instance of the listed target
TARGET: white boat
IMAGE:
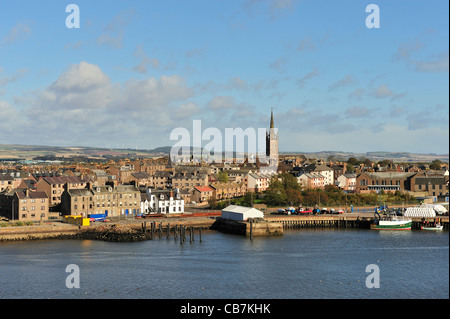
(436, 227)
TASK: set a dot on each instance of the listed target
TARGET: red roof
(22, 195)
(203, 188)
(62, 180)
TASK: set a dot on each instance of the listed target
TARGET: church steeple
(272, 143)
(271, 118)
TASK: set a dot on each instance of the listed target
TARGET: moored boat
(435, 227)
(390, 222)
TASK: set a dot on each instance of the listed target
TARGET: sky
(136, 70)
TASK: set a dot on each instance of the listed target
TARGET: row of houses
(137, 187)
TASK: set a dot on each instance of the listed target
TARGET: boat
(390, 222)
(435, 227)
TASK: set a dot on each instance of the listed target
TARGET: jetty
(324, 221)
(249, 228)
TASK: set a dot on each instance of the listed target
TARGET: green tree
(436, 164)
(350, 168)
(294, 196)
(275, 194)
(289, 181)
(223, 177)
(353, 161)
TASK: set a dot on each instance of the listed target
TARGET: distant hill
(377, 156)
(30, 152)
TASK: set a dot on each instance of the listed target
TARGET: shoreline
(145, 229)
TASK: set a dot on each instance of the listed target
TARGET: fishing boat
(435, 227)
(390, 222)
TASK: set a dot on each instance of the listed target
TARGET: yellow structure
(76, 220)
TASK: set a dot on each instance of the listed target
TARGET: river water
(317, 264)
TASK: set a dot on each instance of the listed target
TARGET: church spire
(271, 118)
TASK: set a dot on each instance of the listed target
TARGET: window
(42, 207)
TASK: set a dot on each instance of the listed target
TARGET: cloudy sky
(135, 70)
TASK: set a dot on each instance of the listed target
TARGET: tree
(436, 164)
(246, 200)
(289, 181)
(353, 161)
(275, 194)
(294, 196)
(223, 177)
(350, 168)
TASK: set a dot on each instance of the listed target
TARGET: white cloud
(357, 112)
(18, 32)
(302, 81)
(434, 63)
(222, 102)
(306, 44)
(347, 80)
(113, 32)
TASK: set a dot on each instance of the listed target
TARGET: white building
(162, 202)
(241, 213)
(258, 182)
(347, 182)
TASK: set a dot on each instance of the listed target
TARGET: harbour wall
(148, 229)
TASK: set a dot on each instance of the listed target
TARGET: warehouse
(241, 213)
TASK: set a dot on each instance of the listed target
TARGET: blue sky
(135, 70)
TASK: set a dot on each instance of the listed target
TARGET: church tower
(272, 139)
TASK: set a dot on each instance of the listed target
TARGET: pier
(298, 222)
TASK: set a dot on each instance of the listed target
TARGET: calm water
(301, 264)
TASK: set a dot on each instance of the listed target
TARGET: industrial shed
(241, 213)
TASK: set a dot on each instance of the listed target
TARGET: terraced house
(54, 187)
(24, 205)
(120, 200)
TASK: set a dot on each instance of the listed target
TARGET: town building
(429, 185)
(325, 171)
(241, 213)
(24, 205)
(386, 181)
(257, 183)
(347, 182)
(162, 202)
(111, 200)
(226, 190)
(54, 187)
(311, 180)
(202, 194)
